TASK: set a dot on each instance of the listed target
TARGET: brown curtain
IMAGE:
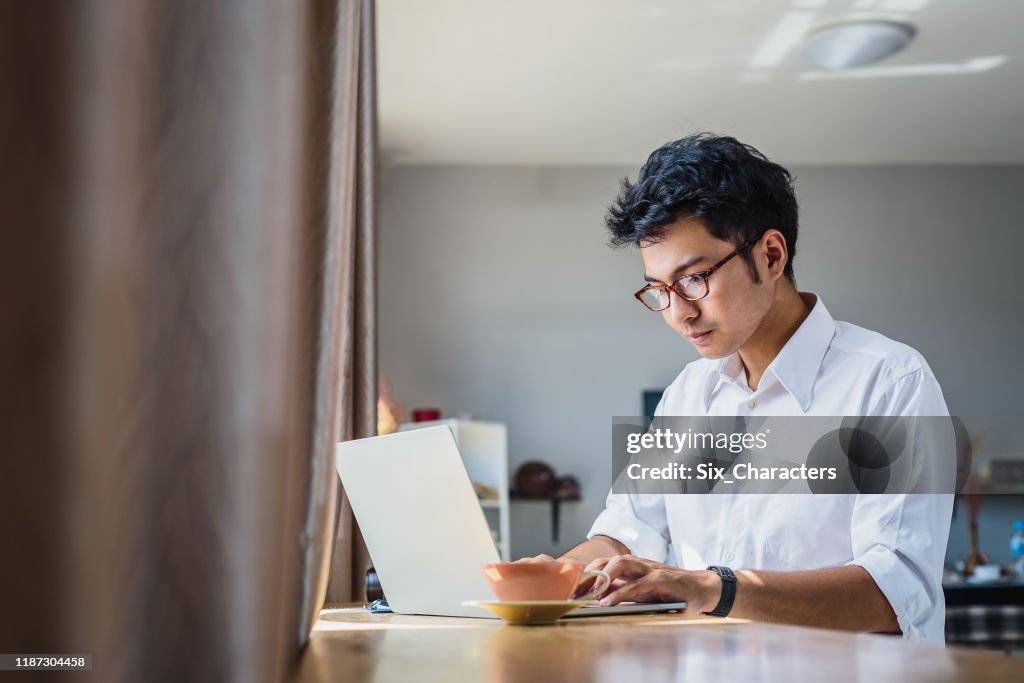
(186, 193)
(342, 149)
(356, 143)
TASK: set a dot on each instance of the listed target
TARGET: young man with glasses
(716, 226)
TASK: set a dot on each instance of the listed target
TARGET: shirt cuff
(642, 540)
(901, 586)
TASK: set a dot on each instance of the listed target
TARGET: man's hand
(638, 580)
(591, 549)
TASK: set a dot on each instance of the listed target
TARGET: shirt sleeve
(900, 539)
(636, 520)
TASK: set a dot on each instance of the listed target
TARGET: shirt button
(751, 403)
(727, 557)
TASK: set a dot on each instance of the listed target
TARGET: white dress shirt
(826, 368)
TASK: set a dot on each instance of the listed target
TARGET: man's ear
(778, 255)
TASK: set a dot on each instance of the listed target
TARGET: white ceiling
(571, 82)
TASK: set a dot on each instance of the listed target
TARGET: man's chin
(710, 354)
(711, 351)
(712, 348)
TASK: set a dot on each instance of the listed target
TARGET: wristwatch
(728, 591)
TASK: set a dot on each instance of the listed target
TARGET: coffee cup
(534, 581)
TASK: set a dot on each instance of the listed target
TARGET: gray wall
(499, 297)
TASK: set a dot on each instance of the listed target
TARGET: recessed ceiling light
(971, 66)
(849, 44)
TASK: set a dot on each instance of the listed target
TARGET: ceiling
(597, 82)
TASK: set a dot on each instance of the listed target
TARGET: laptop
(423, 525)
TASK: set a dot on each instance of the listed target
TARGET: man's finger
(629, 592)
(615, 585)
(641, 590)
(656, 586)
(588, 584)
(626, 567)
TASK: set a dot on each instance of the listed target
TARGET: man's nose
(680, 310)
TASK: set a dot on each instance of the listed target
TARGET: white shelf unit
(484, 449)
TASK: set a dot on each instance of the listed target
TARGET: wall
(499, 297)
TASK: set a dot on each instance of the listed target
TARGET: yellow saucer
(528, 612)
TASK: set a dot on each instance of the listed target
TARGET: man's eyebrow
(685, 265)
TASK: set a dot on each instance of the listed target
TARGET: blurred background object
(567, 486)
(389, 411)
(534, 479)
(426, 414)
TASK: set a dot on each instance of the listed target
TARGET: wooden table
(353, 645)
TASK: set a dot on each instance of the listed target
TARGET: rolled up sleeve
(638, 521)
(900, 540)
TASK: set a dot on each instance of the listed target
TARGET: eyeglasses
(690, 287)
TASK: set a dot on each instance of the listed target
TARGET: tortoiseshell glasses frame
(692, 286)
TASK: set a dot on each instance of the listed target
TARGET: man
(716, 226)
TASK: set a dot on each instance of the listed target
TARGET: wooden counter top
(353, 645)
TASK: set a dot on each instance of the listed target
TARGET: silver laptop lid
(420, 518)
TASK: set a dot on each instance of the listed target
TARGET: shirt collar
(797, 363)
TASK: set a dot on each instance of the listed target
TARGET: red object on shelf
(535, 479)
(426, 414)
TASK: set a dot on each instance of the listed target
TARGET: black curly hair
(731, 187)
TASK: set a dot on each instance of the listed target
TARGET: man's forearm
(835, 597)
(591, 549)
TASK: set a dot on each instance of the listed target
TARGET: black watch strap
(728, 591)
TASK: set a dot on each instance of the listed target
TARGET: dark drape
(356, 143)
(186, 195)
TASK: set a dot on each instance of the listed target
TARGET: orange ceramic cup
(533, 581)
